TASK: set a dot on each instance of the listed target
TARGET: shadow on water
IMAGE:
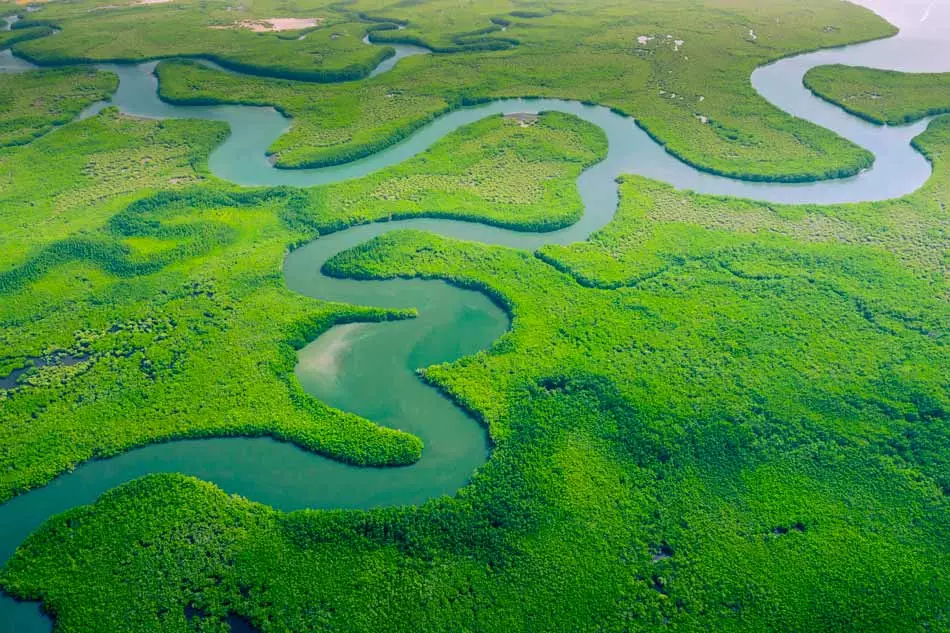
(236, 624)
(11, 380)
(240, 625)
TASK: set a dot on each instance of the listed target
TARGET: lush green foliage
(882, 96)
(333, 52)
(688, 86)
(13, 36)
(750, 440)
(168, 294)
(31, 104)
(71, 182)
(914, 229)
(469, 27)
(738, 422)
(494, 171)
(714, 415)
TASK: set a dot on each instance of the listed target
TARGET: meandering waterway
(368, 369)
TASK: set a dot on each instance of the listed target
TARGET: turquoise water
(368, 369)
(242, 158)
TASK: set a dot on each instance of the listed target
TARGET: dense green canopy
(714, 415)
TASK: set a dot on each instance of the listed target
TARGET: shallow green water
(368, 369)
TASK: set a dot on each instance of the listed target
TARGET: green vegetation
(914, 229)
(494, 171)
(752, 439)
(71, 182)
(736, 422)
(714, 415)
(688, 86)
(14, 36)
(162, 291)
(31, 104)
(92, 268)
(472, 27)
(882, 96)
(333, 52)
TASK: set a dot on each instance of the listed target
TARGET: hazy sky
(916, 18)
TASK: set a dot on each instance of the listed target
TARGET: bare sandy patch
(269, 25)
(524, 119)
(139, 2)
(322, 358)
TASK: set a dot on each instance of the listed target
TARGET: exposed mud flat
(322, 357)
(268, 25)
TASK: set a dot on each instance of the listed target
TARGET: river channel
(369, 369)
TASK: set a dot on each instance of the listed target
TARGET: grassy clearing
(882, 96)
(71, 182)
(31, 104)
(332, 52)
(493, 171)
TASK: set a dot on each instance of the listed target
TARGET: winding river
(368, 369)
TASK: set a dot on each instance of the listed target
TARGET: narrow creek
(368, 369)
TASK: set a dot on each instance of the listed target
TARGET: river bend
(372, 368)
